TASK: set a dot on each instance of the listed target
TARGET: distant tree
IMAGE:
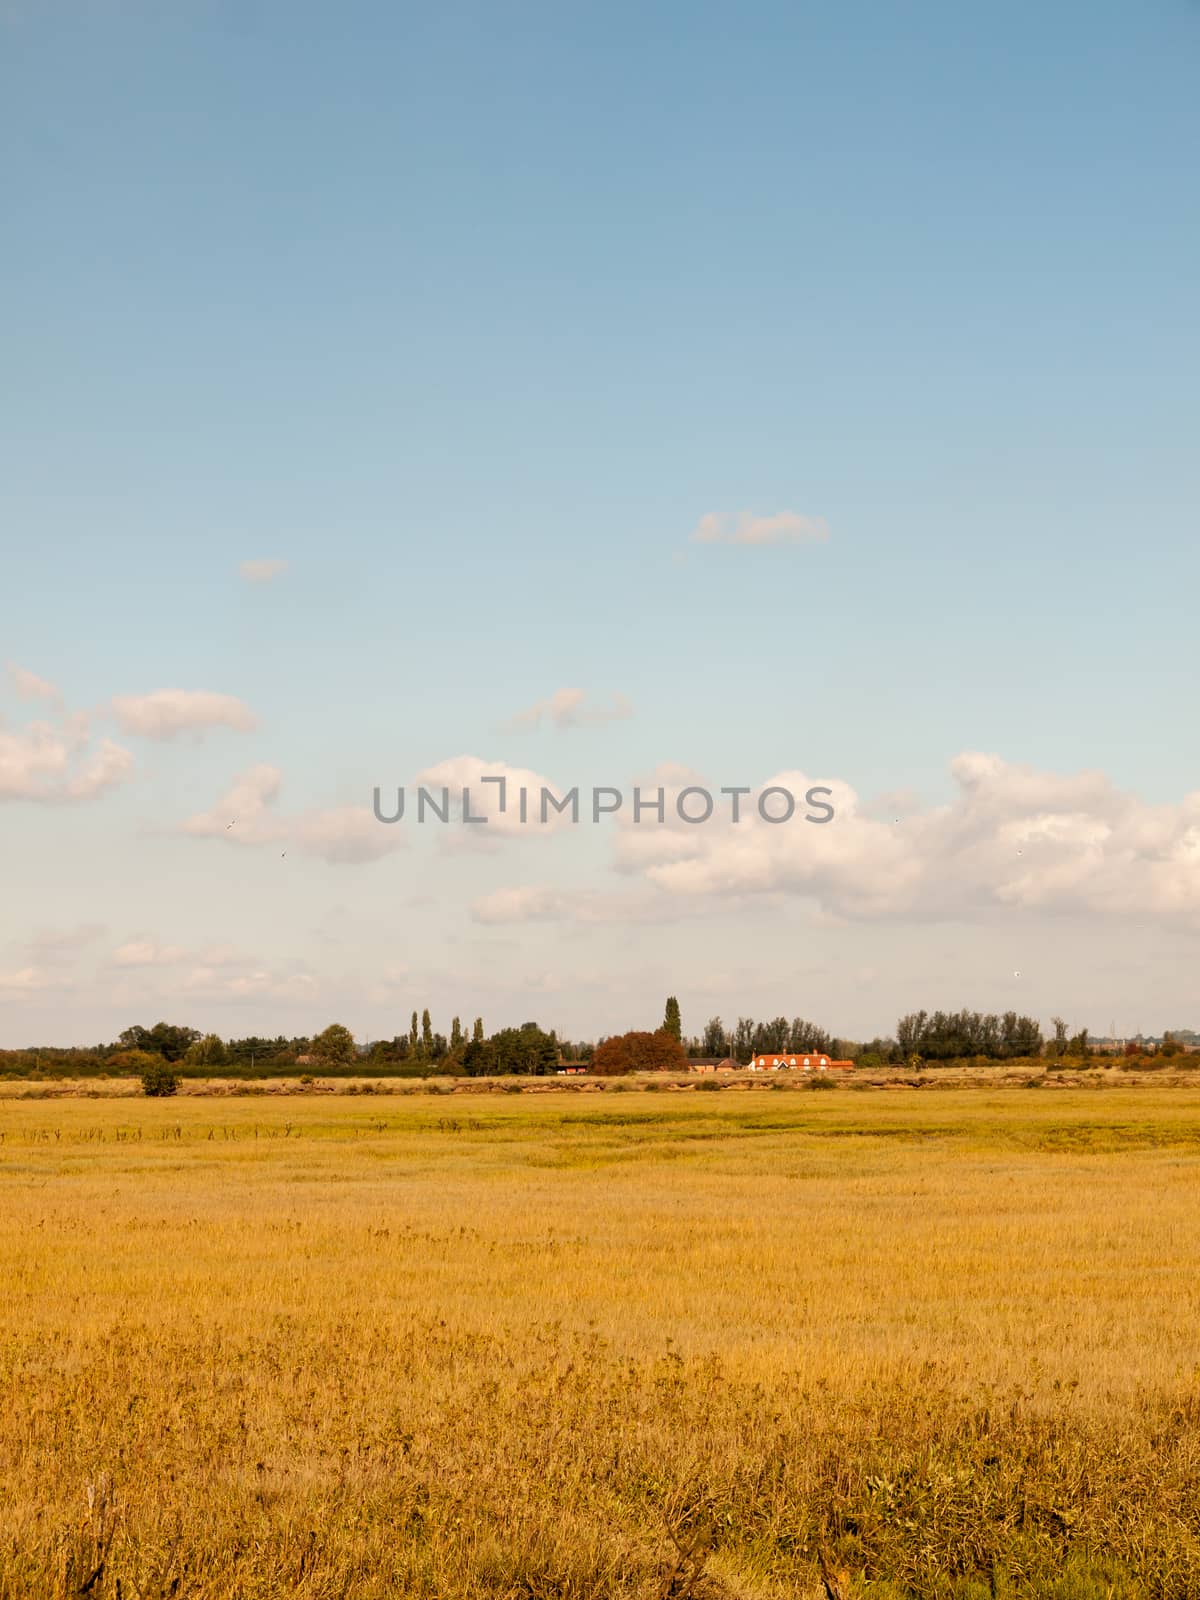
(335, 1046)
(638, 1052)
(477, 1031)
(426, 1032)
(524, 1050)
(1019, 1036)
(958, 1035)
(456, 1034)
(138, 1061)
(742, 1043)
(207, 1052)
(672, 1021)
(715, 1041)
(414, 1037)
(804, 1035)
(164, 1039)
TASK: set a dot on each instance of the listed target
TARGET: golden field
(516, 1347)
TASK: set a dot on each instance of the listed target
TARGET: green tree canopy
(335, 1045)
(672, 1022)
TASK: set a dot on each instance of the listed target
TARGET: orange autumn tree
(638, 1052)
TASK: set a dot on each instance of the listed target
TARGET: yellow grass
(594, 1345)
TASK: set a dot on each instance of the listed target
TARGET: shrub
(158, 1079)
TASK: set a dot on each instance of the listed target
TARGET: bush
(158, 1079)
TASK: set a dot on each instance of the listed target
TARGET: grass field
(659, 1346)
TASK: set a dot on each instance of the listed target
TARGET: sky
(622, 395)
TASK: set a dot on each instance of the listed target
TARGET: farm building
(798, 1061)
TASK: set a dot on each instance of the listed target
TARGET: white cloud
(148, 953)
(25, 981)
(468, 772)
(50, 763)
(167, 712)
(527, 903)
(262, 571)
(255, 981)
(242, 816)
(1011, 837)
(345, 835)
(748, 527)
(567, 708)
(30, 687)
(341, 835)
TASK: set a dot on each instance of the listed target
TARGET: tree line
(921, 1038)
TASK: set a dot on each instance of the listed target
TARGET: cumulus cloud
(748, 527)
(242, 816)
(55, 763)
(344, 835)
(568, 708)
(30, 687)
(262, 571)
(245, 816)
(1011, 836)
(499, 803)
(168, 712)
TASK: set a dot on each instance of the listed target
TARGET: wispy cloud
(148, 953)
(30, 687)
(246, 815)
(749, 527)
(168, 712)
(262, 571)
(26, 981)
(61, 946)
(568, 708)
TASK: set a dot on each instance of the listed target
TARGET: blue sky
(469, 314)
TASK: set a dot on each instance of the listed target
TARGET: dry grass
(515, 1348)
